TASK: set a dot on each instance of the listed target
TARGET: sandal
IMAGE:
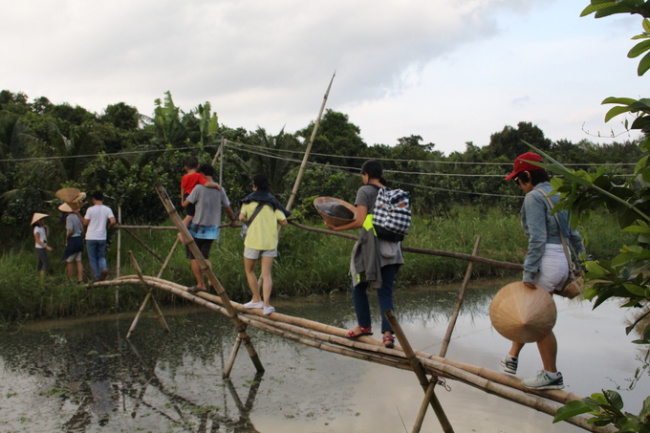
(389, 341)
(195, 289)
(364, 330)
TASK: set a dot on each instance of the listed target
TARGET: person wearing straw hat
(381, 258)
(97, 217)
(545, 265)
(41, 232)
(74, 241)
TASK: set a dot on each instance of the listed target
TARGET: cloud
(246, 52)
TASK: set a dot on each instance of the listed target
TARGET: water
(84, 376)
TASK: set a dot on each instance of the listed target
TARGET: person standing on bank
(262, 212)
(204, 227)
(545, 265)
(97, 217)
(386, 256)
(41, 231)
(74, 246)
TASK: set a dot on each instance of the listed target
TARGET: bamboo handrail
(432, 252)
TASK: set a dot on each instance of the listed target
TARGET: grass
(308, 263)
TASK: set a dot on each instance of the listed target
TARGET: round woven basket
(335, 211)
(73, 197)
(521, 314)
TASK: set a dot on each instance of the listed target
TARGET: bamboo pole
(419, 371)
(119, 247)
(232, 314)
(432, 252)
(169, 256)
(305, 157)
(459, 303)
(161, 317)
(231, 358)
(445, 342)
(144, 245)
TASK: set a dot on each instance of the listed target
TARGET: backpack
(392, 214)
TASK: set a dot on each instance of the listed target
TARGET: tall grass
(308, 263)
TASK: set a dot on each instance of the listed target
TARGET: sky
(450, 71)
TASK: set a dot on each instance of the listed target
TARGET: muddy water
(84, 376)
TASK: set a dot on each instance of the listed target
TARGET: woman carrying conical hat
(545, 264)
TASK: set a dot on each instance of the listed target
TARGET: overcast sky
(451, 71)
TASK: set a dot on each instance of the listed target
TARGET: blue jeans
(97, 256)
(384, 294)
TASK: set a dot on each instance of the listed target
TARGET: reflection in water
(84, 376)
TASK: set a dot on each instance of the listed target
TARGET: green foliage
(607, 408)
(308, 263)
(627, 275)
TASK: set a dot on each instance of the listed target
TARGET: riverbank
(308, 263)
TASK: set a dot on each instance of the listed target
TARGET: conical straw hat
(72, 196)
(68, 194)
(38, 216)
(521, 314)
(335, 211)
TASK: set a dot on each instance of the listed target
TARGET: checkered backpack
(392, 214)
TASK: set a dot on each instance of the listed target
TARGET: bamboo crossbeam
(370, 349)
(428, 251)
(161, 317)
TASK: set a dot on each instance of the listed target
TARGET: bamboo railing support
(305, 157)
(431, 252)
(161, 317)
(168, 258)
(231, 358)
(119, 248)
(417, 426)
(232, 314)
(419, 370)
(445, 342)
(459, 303)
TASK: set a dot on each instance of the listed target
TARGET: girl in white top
(40, 239)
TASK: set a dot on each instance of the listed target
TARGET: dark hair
(261, 182)
(536, 176)
(374, 170)
(98, 195)
(191, 162)
(207, 169)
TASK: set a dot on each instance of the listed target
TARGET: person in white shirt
(97, 217)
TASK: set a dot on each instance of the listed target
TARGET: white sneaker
(252, 304)
(268, 310)
(544, 380)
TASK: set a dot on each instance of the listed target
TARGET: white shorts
(553, 269)
(252, 254)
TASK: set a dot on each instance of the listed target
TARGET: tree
(509, 143)
(627, 276)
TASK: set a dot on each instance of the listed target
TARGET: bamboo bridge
(429, 368)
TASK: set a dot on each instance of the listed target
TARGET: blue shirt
(541, 228)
